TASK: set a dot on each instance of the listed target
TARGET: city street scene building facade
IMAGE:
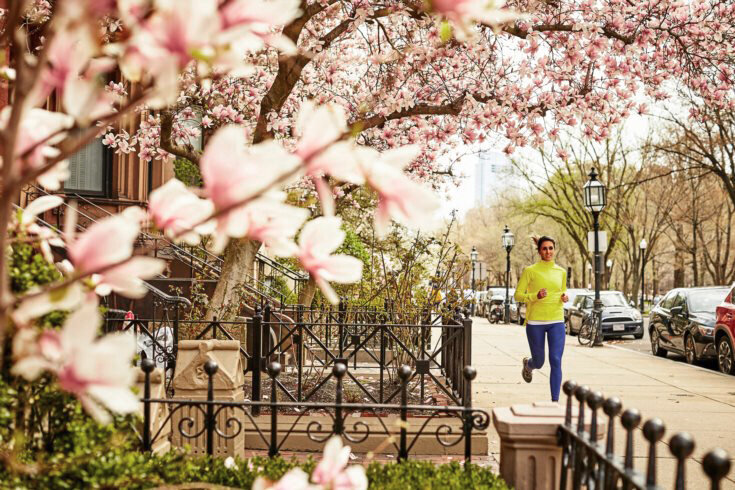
(328, 245)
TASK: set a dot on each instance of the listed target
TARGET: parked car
(684, 322)
(724, 335)
(619, 318)
(572, 293)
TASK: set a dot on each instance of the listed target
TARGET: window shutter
(86, 169)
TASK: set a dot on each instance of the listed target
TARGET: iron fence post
(339, 370)
(682, 446)
(404, 373)
(611, 407)
(341, 319)
(716, 465)
(176, 332)
(210, 367)
(595, 473)
(470, 374)
(567, 455)
(274, 369)
(630, 420)
(579, 461)
(147, 365)
(422, 352)
(299, 341)
(382, 363)
(467, 348)
(257, 355)
(653, 431)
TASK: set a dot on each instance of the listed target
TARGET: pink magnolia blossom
(39, 131)
(45, 236)
(401, 199)
(274, 223)
(178, 211)
(37, 305)
(294, 479)
(61, 66)
(251, 24)
(234, 173)
(97, 371)
(465, 13)
(320, 128)
(106, 243)
(331, 472)
(318, 239)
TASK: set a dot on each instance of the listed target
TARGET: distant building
(494, 172)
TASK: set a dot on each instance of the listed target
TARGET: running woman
(543, 287)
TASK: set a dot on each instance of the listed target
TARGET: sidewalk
(686, 398)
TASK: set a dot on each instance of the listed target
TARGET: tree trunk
(306, 296)
(238, 268)
(678, 268)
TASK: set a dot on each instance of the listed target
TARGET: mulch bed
(352, 393)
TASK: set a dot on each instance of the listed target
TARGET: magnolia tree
(434, 74)
(324, 96)
(66, 51)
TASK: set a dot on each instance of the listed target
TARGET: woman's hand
(564, 298)
(541, 294)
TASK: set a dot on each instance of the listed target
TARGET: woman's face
(546, 250)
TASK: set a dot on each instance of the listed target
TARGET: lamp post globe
(508, 242)
(608, 271)
(643, 246)
(595, 200)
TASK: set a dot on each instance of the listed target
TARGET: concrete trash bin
(190, 383)
(530, 458)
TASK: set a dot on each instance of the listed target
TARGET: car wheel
(568, 327)
(725, 357)
(690, 351)
(638, 336)
(656, 348)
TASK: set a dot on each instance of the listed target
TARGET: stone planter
(530, 458)
(190, 383)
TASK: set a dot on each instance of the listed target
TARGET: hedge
(135, 470)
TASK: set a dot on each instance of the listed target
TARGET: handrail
(165, 297)
(292, 274)
(270, 294)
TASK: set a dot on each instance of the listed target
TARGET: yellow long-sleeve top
(536, 277)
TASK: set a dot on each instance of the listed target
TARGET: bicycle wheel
(586, 333)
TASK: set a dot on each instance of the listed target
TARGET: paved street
(644, 346)
(693, 399)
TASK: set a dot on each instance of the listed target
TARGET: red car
(725, 333)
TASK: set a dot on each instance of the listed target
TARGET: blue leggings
(555, 333)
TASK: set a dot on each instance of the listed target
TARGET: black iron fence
(310, 341)
(211, 421)
(588, 464)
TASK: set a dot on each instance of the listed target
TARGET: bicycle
(588, 330)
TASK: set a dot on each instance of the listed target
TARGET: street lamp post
(595, 199)
(473, 257)
(508, 242)
(643, 245)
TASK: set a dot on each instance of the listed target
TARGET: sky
(462, 197)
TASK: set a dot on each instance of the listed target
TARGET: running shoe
(526, 372)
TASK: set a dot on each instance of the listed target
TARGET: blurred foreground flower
(318, 239)
(97, 371)
(331, 473)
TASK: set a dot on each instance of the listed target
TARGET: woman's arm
(522, 295)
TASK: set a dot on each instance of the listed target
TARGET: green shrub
(120, 467)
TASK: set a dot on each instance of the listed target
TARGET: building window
(88, 170)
